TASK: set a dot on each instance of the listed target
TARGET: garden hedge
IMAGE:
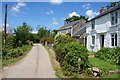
(68, 52)
(109, 54)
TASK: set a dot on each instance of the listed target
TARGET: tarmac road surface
(36, 64)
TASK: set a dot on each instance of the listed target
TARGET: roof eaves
(106, 12)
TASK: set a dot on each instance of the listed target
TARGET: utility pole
(5, 24)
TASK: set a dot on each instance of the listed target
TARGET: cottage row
(101, 31)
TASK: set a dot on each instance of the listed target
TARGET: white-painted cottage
(104, 29)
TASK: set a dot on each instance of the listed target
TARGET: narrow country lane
(35, 65)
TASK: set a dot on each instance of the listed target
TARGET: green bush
(61, 47)
(68, 52)
(15, 52)
(110, 55)
(5, 53)
(49, 40)
(10, 41)
(25, 48)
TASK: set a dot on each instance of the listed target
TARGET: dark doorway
(102, 41)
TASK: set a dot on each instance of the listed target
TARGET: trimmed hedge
(110, 55)
(68, 52)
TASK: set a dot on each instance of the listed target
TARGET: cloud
(91, 14)
(6, 25)
(54, 21)
(50, 12)
(73, 14)
(17, 7)
(8, 28)
(34, 32)
(56, 1)
(86, 6)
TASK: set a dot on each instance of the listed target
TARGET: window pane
(93, 39)
(112, 19)
(93, 25)
(112, 41)
(116, 15)
(115, 39)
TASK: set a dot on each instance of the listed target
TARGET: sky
(48, 14)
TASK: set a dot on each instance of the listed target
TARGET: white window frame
(114, 44)
(93, 25)
(93, 39)
(114, 18)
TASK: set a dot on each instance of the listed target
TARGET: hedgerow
(68, 52)
(15, 52)
(110, 55)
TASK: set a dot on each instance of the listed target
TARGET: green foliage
(49, 40)
(112, 4)
(29, 42)
(110, 55)
(101, 64)
(68, 52)
(43, 32)
(75, 18)
(22, 34)
(34, 38)
(15, 52)
(69, 34)
(62, 39)
(10, 41)
(54, 32)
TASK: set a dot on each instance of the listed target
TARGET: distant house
(104, 29)
(71, 27)
(80, 35)
(76, 29)
(79, 32)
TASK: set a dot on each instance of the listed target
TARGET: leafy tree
(34, 38)
(42, 32)
(54, 32)
(75, 18)
(22, 34)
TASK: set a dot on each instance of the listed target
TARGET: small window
(114, 39)
(93, 25)
(93, 40)
(114, 18)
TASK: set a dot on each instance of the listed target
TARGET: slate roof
(69, 25)
(80, 32)
(106, 12)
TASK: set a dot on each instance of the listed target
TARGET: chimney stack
(102, 10)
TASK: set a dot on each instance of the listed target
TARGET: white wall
(102, 26)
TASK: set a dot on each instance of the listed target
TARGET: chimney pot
(102, 10)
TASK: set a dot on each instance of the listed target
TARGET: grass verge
(105, 66)
(55, 64)
(14, 60)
